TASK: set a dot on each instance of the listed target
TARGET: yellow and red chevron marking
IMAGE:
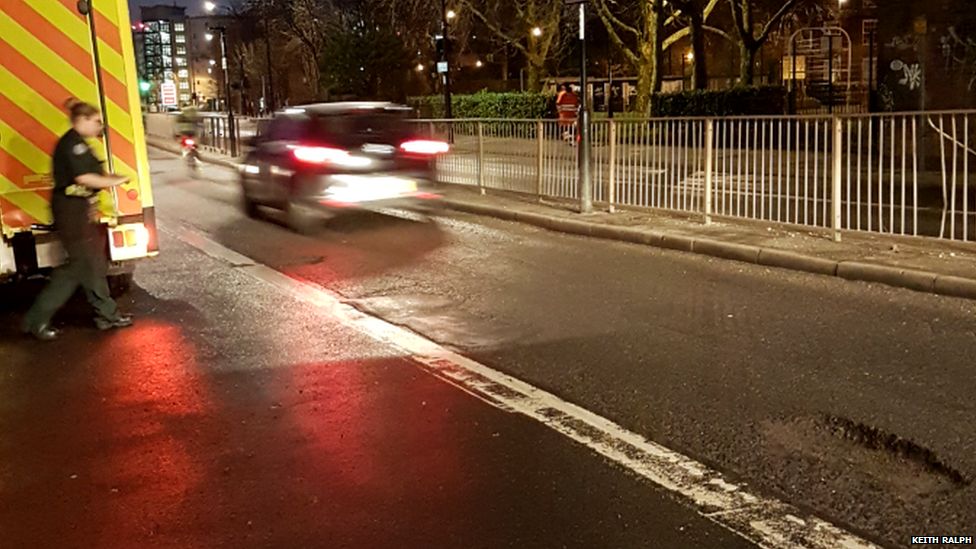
(46, 58)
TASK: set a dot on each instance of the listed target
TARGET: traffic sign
(167, 94)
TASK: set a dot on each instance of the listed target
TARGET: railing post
(612, 162)
(481, 157)
(540, 129)
(709, 167)
(838, 176)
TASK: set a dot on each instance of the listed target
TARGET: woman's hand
(98, 181)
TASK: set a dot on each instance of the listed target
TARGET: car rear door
(276, 164)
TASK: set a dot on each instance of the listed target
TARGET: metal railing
(905, 174)
(215, 134)
(902, 174)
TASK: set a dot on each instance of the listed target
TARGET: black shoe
(118, 322)
(44, 332)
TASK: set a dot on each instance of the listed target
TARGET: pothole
(861, 453)
(878, 440)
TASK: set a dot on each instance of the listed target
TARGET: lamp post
(444, 66)
(211, 7)
(585, 177)
(223, 63)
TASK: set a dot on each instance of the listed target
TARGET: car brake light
(188, 142)
(425, 147)
(318, 155)
(328, 155)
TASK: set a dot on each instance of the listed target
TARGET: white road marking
(765, 521)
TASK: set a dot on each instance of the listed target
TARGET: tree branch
(738, 17)
(607, 19)
(495, 28)
(719, 32)
(775, 19)
(689, 7)
(605, 11)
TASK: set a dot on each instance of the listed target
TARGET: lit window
(184, 85)
(180, 39)
(180, 61)
(183, 73)
(180, 50)
(178, 27)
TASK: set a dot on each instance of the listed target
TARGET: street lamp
(537, 32)
(211, 7)
(445, 64)
(223, 63)
(208, 36)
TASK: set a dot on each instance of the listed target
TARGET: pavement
(922, 264)
(850, 399)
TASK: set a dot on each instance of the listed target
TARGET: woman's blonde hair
(79, 109)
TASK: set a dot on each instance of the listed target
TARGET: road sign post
(585, 177)
(167, 94)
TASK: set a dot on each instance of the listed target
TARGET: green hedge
(736, 101)
(488, 105)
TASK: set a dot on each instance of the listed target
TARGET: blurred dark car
(315, 161)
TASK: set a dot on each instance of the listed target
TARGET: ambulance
(50, 51)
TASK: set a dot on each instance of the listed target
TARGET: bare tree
(532, 27)
(750, 42)
(307, 23)
(694, 13)
(640, 31)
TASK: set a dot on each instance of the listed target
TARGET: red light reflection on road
(151, 392)
(376, 433)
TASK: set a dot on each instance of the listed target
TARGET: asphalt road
(233, 415)
(852, 400)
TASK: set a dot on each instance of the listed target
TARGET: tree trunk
(645, 83)
(747, 64)
(699, 76)
(650, 56)
(534, 76)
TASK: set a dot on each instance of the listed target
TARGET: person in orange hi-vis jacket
(567, 106)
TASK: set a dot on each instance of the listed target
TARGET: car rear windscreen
(357, 128)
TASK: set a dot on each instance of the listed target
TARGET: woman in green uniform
(78, 176)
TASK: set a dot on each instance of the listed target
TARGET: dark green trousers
(86, 267)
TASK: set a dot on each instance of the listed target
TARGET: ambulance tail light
(129, 241)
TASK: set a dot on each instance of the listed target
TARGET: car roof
(325, 109)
